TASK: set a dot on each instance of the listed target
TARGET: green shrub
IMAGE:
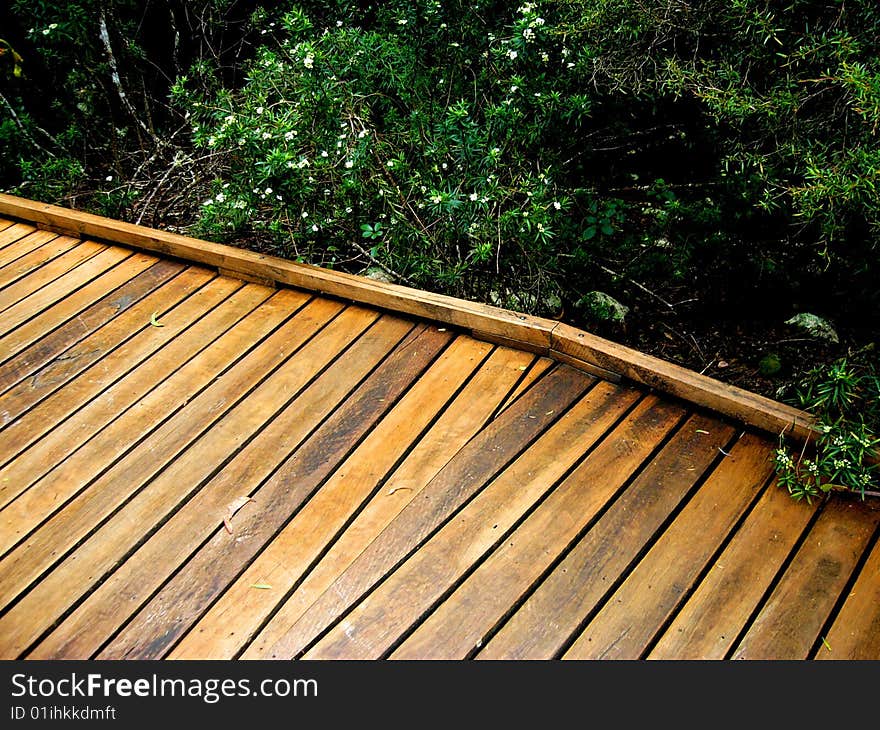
(846, 400)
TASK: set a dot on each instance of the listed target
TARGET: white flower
(315, 227)
(209, 201)
(538, 21)
(557, 204)
(268, 191)
(390, 163)
(514, 88)
(349, 164)
(267, 135)
(290, 134)
(362, 134)
(436, 199)
(259, 110)
(220, 197)
(305, 214)
(309, 61)
(402, 21)
(512, 53)
(109, 178)
(338, 23)
(324, 153)
(472, 197)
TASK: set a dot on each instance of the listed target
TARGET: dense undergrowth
(686, 177)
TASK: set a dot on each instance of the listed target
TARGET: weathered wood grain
(465, 475)
(707, 625)
(651, 593)
(482, 525)
(287, 557)
(460, 422)
(791, 621)
(49, 335)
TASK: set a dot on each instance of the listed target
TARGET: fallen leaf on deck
(700, 430)
(155, 322)
(261, 586)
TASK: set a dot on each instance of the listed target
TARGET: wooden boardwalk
(193, 465)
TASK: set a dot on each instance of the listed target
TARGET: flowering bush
(435, 134)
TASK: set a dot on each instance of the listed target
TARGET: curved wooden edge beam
(562, 342)
(250, 265)
(739, 404)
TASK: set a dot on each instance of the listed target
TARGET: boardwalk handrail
(548, 337)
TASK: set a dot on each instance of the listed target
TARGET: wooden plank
(465, 475)
(532, 373)
(34, 304)
(462, 621)
(31, 409)
(254, 354)
(183, 392)
(709, 623)
(791, 622)
(540, 627)
(168, 550)
(396, 606)
(462, 420)
(287, 557)
(62, 273)
(29, 253)
(58, 466)
(855, 632)
(657, 585)
(15, 232)
(587, 367)
(515, 326)
(195, 586)
(742, 405)
(49, 335)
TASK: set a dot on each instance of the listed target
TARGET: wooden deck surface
(195, 466)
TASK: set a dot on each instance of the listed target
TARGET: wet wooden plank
(465, 475)
(162, 423)
(55, 280)
(652, 592)
(49, 335)
(855, 632)
(34, 407)
(462, 421)
(790, 623)
(709, 623)
(542, 625)
(287, 557)
(460, 623)
(26, 255)
(302, 405)
(123, 413)
(374, 626)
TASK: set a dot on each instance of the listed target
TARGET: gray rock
(603, 306)
(814, 326)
